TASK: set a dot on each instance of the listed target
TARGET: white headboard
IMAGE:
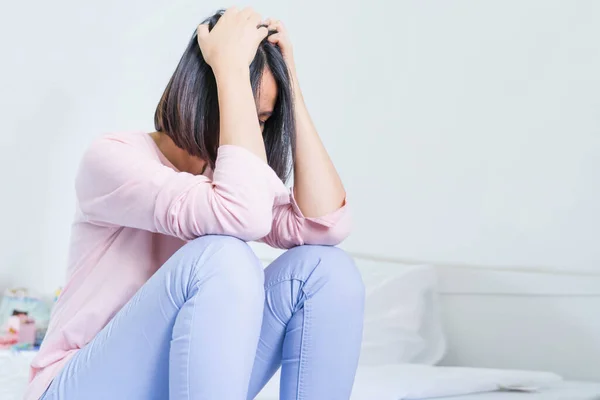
(543, 319)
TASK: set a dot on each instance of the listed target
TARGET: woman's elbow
(246, 217)
(219, 218)
(331, 236)
(253, 231)
(253, 224)
(336, 235)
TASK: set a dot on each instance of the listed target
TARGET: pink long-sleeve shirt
(134, 210)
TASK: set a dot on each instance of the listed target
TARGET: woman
(164, 298)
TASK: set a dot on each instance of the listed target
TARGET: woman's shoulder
(121, 146)
(132, 140)
(115, 153)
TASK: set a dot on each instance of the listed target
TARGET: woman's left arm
(318, 189)
(318, 214)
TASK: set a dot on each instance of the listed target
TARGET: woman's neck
(180, 158)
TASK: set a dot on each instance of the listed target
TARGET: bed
(371, 384)
(411, 382)
(568, 390)
(404, 337)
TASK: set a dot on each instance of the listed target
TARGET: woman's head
(188, 111)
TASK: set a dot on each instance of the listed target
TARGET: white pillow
(402, 318)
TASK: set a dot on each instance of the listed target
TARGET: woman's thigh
(187, 314)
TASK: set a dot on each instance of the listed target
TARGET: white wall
(466, 131)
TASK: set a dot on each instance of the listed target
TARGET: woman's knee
(334, 267)
(225, 261)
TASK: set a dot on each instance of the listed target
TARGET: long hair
(188, 111)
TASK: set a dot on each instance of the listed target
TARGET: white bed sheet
(393, 382)
(14, 371)
(566, 390)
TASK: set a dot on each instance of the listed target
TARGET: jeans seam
(304, 349)
(187, 367)
(283, 279)
(49, 391)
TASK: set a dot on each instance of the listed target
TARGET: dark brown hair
(188, 111)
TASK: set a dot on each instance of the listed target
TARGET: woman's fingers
(274, 25)
(202, 31)
(248, 14)
(236, 37)
(274, 38)
(250, 17)
(231, 11)
(261, 33)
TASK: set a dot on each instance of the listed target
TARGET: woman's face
(267, 96)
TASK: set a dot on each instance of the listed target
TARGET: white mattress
(567, 390)
(14, 372)
(399, 382)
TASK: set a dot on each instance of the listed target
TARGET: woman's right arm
(229, 48)
(119, 186)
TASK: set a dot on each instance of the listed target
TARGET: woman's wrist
(231, 73)
(297, 92)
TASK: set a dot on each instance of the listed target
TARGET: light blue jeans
(211, 324)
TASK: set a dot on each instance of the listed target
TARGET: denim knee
(332, 268)
(223, 260)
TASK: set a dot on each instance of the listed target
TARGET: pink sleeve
(291, 228)
(119, 184)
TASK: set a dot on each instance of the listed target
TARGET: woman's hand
(229, 49)
(282, 39)
(233, 41)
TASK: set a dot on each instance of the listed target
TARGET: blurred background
(467, 134)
